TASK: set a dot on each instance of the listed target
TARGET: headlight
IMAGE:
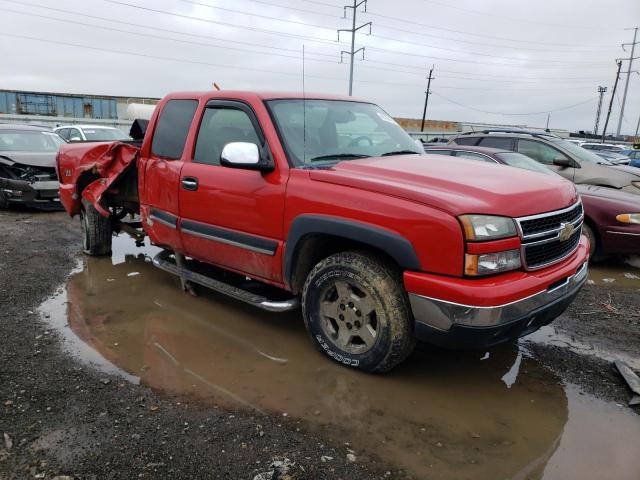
(629, 218)
(636, 184)
(489, 263)
(487, 227)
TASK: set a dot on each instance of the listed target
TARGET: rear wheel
(357, 312)
(96, 231)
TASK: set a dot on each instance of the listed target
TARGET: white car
(90, 133)
(603, 146)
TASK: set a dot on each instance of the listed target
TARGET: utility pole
(548, 118)
(601, 91)
(613, 94)
(353, 30)
(628, 72)
(426, 98)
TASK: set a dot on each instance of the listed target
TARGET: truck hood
(31, 159)
(455, 185)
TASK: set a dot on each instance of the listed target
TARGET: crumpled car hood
(31, 159)
(455, 185)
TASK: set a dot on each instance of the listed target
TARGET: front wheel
(357, 312)
(97, 231)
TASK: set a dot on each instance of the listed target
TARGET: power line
(480, 54)
(159, 57)
(253, 69)
(512, 19)
(628, 73)
(141, 25)
(516, 114)
(493, 37)
(75, 22)
(295, 51)
(267, 17)
(318, 40)
(470, 42)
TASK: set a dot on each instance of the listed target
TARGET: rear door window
(172, 128)
(501, 143)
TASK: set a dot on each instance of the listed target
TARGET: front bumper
(456, 324)
(31, 193)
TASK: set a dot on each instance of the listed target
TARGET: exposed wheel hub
(348, 317)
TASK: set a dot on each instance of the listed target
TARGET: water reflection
(440, 415)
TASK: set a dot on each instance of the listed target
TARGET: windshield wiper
(338, 156)
(400, 152)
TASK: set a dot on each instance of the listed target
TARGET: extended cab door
(231, 217)
(159, 166)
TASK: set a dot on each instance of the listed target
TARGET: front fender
(396, 246)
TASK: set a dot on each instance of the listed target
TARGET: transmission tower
(352, 53)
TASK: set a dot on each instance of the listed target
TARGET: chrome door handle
(190, 183)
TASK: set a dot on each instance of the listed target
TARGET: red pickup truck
(283, 199)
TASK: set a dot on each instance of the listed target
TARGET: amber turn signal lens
(629, 218)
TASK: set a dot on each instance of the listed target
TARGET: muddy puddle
(441, 415)
(616, 273)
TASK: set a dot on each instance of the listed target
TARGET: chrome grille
(550, 237)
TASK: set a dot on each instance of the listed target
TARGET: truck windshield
(328, 131)
(29, 141)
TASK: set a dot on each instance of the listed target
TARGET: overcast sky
(491, 57)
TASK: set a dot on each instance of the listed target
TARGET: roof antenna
(304, 113)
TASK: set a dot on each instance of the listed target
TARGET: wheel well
(592, 225)
(313, 248)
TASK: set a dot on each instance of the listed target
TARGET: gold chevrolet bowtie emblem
(566, 230)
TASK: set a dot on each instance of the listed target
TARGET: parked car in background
(611, 217)
(569, 160)
(614, 158)
(634, 156)
(612, 221)
(90, 133)
(27, 165)
(608, 147)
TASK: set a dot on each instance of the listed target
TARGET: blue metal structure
(57, 105)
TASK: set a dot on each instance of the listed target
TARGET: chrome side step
(164, 261)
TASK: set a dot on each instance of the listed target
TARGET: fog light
(489, 263)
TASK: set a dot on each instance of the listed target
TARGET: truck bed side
(88, 170)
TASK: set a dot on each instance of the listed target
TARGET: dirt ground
(60, 417)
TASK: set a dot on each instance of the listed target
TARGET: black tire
(593, 241)
(378, 339)
(96, 231)
(4, 203)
